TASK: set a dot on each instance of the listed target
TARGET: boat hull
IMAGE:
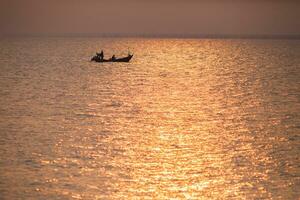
(125, 59)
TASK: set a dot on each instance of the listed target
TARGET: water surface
(186, 119)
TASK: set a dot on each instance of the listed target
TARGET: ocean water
(185, 119)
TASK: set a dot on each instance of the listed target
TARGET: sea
(184, 119)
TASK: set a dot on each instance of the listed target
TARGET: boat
(124, 59)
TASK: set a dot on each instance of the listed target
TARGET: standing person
(100, 55)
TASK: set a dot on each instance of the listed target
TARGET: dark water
(186, 119)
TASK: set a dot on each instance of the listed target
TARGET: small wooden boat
(124, 59)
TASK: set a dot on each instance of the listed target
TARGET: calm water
(186, 119)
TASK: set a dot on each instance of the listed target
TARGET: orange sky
(184, 17)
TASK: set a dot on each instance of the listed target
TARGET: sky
(150, 17)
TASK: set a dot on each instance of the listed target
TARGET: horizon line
(179, 36)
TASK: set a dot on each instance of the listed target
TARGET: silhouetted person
(100, 55)
(113, 58)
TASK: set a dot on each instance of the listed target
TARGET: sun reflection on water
(186, 119)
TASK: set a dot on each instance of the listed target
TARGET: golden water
(186, 119)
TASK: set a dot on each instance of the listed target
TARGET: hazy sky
(150, 16)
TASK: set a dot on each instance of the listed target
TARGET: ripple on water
(217, 122)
